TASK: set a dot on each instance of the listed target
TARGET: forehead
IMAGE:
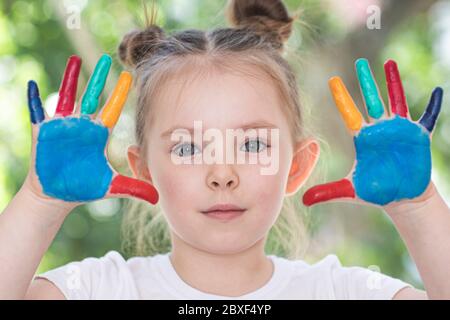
(219, 99)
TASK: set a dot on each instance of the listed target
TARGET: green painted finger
(89, 103)
(369, 89)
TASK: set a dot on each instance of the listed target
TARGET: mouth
(224, 212)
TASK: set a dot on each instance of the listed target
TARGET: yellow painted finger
(113, 108)
(345, 104)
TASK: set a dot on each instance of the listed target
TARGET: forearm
(27, 228)
(425, 229)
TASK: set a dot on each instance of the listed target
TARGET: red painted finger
(329, 191)
(68, 89)
(133, 187)
(397, 99)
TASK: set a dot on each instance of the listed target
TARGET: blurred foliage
(36, 37)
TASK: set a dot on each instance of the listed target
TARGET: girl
(219, 214)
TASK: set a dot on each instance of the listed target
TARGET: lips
(224, 212)
(226, 207)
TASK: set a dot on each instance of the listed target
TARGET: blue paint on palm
(70, 160)
(393, 161)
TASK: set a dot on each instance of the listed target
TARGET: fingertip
(74, 59)
(106, 57)
(126, 77)
(438, 92)
(116, 101)
(33, 90)
(308, 198)
(390, 63)
(106, 60)
(68, 89)
(334, 82)
(124, 83)
(433, 109)
(436, 96)
(397, 98)
(37, 114)
(96, 84)
(391, 71)
(361, 63)
(105, 63)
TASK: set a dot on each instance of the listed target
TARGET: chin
(222, 244)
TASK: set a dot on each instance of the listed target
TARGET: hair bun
(138, 45)
(267, 17)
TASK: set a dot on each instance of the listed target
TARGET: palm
(393, 157)
(70, 149)
(78, 143)
(393, 161)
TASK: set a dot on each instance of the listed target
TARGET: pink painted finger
(68, 89)
(329, 191)
(397, 99)
(129, 186)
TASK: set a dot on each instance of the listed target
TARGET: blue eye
(254, 145)
(185, 148)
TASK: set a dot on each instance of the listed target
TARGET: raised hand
(69, 159)
(393, 156)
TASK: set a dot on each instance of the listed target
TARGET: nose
(222, 177)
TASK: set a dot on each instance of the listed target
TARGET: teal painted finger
(90, 100)
(369, 89)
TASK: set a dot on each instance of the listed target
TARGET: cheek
(168, 179)
(270, 191)
(178, 188)
(267, 191)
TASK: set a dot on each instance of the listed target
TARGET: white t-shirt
(153, 277)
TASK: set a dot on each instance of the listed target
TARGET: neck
(231, 274)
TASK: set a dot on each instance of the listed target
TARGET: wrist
(45, 211)
(430, 199)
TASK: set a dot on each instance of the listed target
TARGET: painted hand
(69, 150)
(393, 158)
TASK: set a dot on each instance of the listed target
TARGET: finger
(397, 99)
(429, 117)
(113, 108)
(89, 102)
(345, 104)
(329, 191)
(369, 88)
(68, 89)
(133, 187)
(37, 114)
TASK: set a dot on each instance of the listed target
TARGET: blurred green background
(36, 38)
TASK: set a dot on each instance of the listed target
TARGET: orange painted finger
(350, 114)
(113, 108)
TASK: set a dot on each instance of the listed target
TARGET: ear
(306, 154)
(139, 170)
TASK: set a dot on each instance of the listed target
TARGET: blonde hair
(255, 41)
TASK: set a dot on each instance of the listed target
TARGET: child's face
(222, 101)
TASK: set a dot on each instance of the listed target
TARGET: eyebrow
(252, 125)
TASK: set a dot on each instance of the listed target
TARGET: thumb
(122, 185)
(329, 191)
